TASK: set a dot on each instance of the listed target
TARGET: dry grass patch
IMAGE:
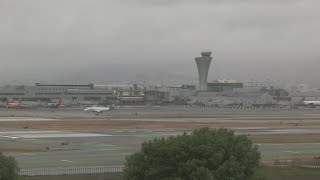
(286, 138)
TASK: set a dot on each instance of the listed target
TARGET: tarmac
(37, 148)
(46, 134)
(19, 119)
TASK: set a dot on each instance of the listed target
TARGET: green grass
(280, 154)
(262, 173)
(292, 173)
(80, 162)
(84, 149)
(109, 176)
(93, 145)
(285, 138)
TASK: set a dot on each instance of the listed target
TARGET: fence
(310, 166)
(84, 170)
(70, 170)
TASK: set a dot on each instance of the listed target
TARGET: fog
(82, 41)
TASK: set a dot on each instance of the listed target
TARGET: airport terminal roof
(306, 94)
(231, 94)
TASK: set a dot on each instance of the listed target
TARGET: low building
(155, 97)
(131, 100)
(68, 93)
(223, 85)
(234, 98)
(298, 97)
(179, 94)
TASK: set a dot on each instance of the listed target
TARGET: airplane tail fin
(59, 101)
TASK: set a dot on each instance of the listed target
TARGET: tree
(8, 168)
(204, 154)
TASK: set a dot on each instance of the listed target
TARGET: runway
(161, 114)
(114, 156)
(148, 132)
(107, 152)
(19, 119)
(71, 137)
(46, 134)
(110, 147)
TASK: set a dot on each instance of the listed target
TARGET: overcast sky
(80, 41)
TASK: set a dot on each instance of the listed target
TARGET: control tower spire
(203, 64)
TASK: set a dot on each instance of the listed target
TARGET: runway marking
(108, 149)
(28, 154)
(132, 131)
(285, 144)
(67, 161)
(292, 152)
(26, 119)
(9, 137)
(47, 134)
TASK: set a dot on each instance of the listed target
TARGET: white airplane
(97, 109)
(192, 101)
(221, 102)
(310, 103)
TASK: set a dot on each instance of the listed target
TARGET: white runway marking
(295, 152)
(47, 134)
(8, 137)
(26, 119)
(28, 154)
(67, 161)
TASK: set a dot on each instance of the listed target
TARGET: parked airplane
(221, 102)
(22, 105)
(193, 101)
(310, 103)
(54, 104)
(97, 109)
(14, 105)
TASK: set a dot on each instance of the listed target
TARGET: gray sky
(102, 41)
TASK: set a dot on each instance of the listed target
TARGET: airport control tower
(203, 64)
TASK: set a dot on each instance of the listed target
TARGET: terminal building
(224, 85)
(69, 93)
(218, 92)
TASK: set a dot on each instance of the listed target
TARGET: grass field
(286, 173)
(285, 138)
(263, 173)
(106, 176)
(270, 138)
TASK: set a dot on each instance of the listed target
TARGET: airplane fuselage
(311, 103)
(54, 104)
(97, 109)
(13, 105)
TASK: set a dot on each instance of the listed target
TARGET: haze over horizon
(81, 41)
